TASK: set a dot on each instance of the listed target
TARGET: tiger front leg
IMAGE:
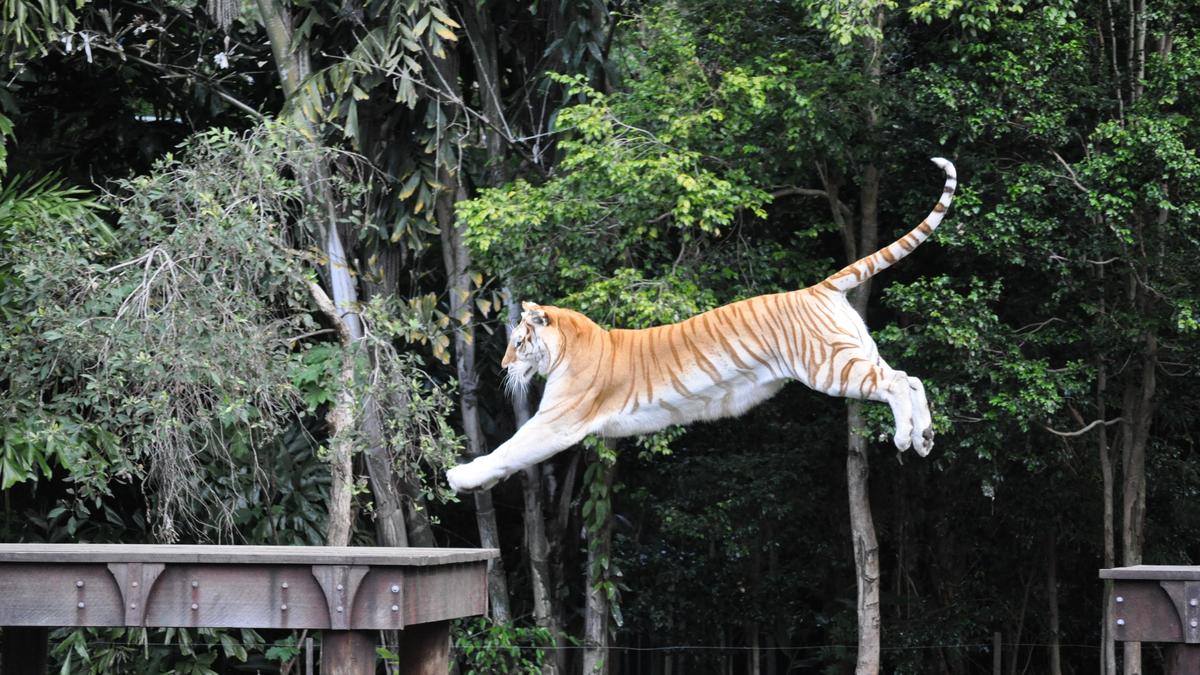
(536, 441)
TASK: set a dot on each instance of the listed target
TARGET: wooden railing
(1158, 603)
(349, 593)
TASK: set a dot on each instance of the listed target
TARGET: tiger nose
(510, 355)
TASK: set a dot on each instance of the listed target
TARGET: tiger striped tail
(862, 269)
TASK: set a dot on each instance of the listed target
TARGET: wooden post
(24, 650)
(1183, 659)
(425, 649)
(348, 652)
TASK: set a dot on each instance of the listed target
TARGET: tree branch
(1085, 429)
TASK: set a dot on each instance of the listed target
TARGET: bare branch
(1084, 430)
(330, 310)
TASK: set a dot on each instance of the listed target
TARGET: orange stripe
(845, 375)
(925, 228)
(703, 362)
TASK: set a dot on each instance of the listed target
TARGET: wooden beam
(199, 595)
(262, 555)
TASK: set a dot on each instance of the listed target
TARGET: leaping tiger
(716, 364)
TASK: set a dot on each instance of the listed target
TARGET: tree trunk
(1108, 655)
(862, 524)
(1052, 600)
(1138, 412)
(596, 608)
(866, 548)
(292, 62)
(457, 259)
(458, 281)
(341, 422)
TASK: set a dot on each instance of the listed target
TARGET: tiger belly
(726, 399)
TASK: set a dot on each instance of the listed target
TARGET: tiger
(720, 363)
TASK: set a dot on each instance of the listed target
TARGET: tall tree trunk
(457, 259)
(597, 611)
(1052, 600)
(341, 422)
(458, 282)
(862, 524)
(1138, 412)
(866, 547)
(292, 62)
(1108, 655)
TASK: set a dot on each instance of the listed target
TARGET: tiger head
(534, 345)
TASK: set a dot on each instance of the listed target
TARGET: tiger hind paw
(922, 441)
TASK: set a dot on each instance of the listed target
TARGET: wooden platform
(351, 593)
(1158, 603)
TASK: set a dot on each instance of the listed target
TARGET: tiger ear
(534, 314)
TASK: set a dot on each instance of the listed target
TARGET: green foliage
(483, 646)
(27, 28)
(165, 350)
(138, 651)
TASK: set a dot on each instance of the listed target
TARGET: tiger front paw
(472, 476)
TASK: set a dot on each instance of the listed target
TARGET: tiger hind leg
(922, 433)
(897, 393)
(874, 380)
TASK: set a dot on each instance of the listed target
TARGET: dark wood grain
(425, 649)
(348, 652)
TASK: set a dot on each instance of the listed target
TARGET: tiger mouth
(518, 376)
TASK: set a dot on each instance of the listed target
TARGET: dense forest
(258, 260)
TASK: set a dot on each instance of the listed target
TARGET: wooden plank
(59, 595)
(294, 555)
(348, 652)
(446, 592)
(248, 596)
(24, 651)
(425, 649)
(244, 596)
(1143, 611)
(1153, 572)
